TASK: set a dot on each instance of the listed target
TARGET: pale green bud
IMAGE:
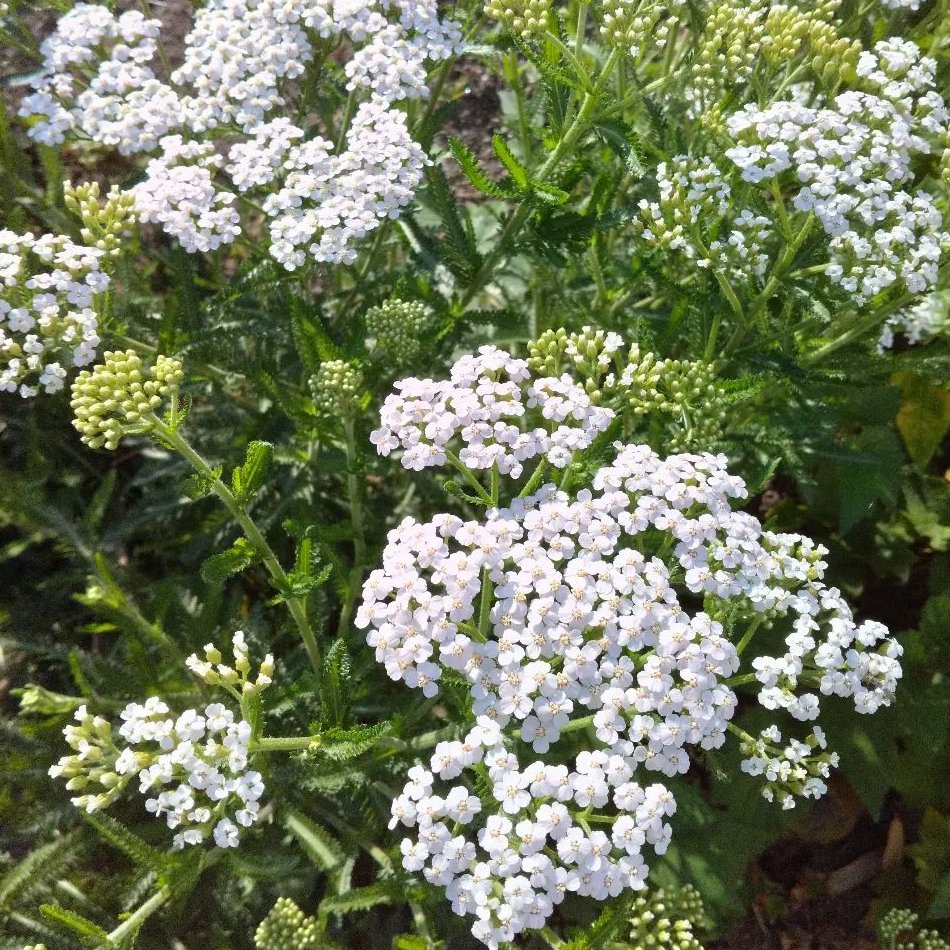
(397, 327)
(286, 927)
(337, 388)
(527, 18)
(118, 396)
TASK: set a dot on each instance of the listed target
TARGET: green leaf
(141, 852)
(249, 477)
(219, 567)
(519, 174)
(924, 416)
(473, 171)
(321, 847)
(198, 486)
(359, 899)
(88, 932)
(335, 685)
(620, 141)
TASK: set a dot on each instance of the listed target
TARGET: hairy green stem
(516, 222)
(354, 491)
(295, 605)
(280, 744)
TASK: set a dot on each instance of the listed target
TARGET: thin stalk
(289, 744)
(142, 913)
(354, 491)
(461, 468)
(535, 480)
(295, 605)
(749, 634)
(517, 220)
(575, 725)
(512, 70)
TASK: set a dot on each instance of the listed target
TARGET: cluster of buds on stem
(120, 396)
(666, 919)
(527, 18)
(287, 927)
(237, 678)
(396, 328)
(106, 224)
(337, 389)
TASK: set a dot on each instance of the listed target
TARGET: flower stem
(354, 490)
(295, 605)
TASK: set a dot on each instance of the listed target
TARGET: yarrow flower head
(218, 128)
(192, 769)
(484, 408)
(850, 160)
(48, 320)
(337, 389)
(120, 396)
(566, 613)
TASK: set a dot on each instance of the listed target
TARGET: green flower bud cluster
(789, 28)
(92, 769)
(105, 224)
(686, 391)
(527, 18)
(337, 388)
(287, 927)
(667, 919)
(729, 48)
(898, 929)
(635, 25)
(696, 400)
(396, 326)
(118, 397)
(237, 678)
(593, 357)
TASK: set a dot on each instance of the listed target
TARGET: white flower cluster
(485, 404)
(559, 614)
(47, 322)
(694, 203)
(851, 160)
(796, 769)
(923, 321)
(192, 769)
(223, 112)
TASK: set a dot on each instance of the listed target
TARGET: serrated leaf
(335, 685)
(249, 477)
(199, 486)
(358, 899)
(619, 139)
(321, 847)
(519, 174)
(88, 932)
(219, 567)
(473, 171)
(125, 840)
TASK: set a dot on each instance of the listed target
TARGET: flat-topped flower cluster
(574, 614)
(47, 320)
(192, 768)
(851, 162)
(218, 127)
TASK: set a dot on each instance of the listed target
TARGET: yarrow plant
(567, 613)
(554, 393)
